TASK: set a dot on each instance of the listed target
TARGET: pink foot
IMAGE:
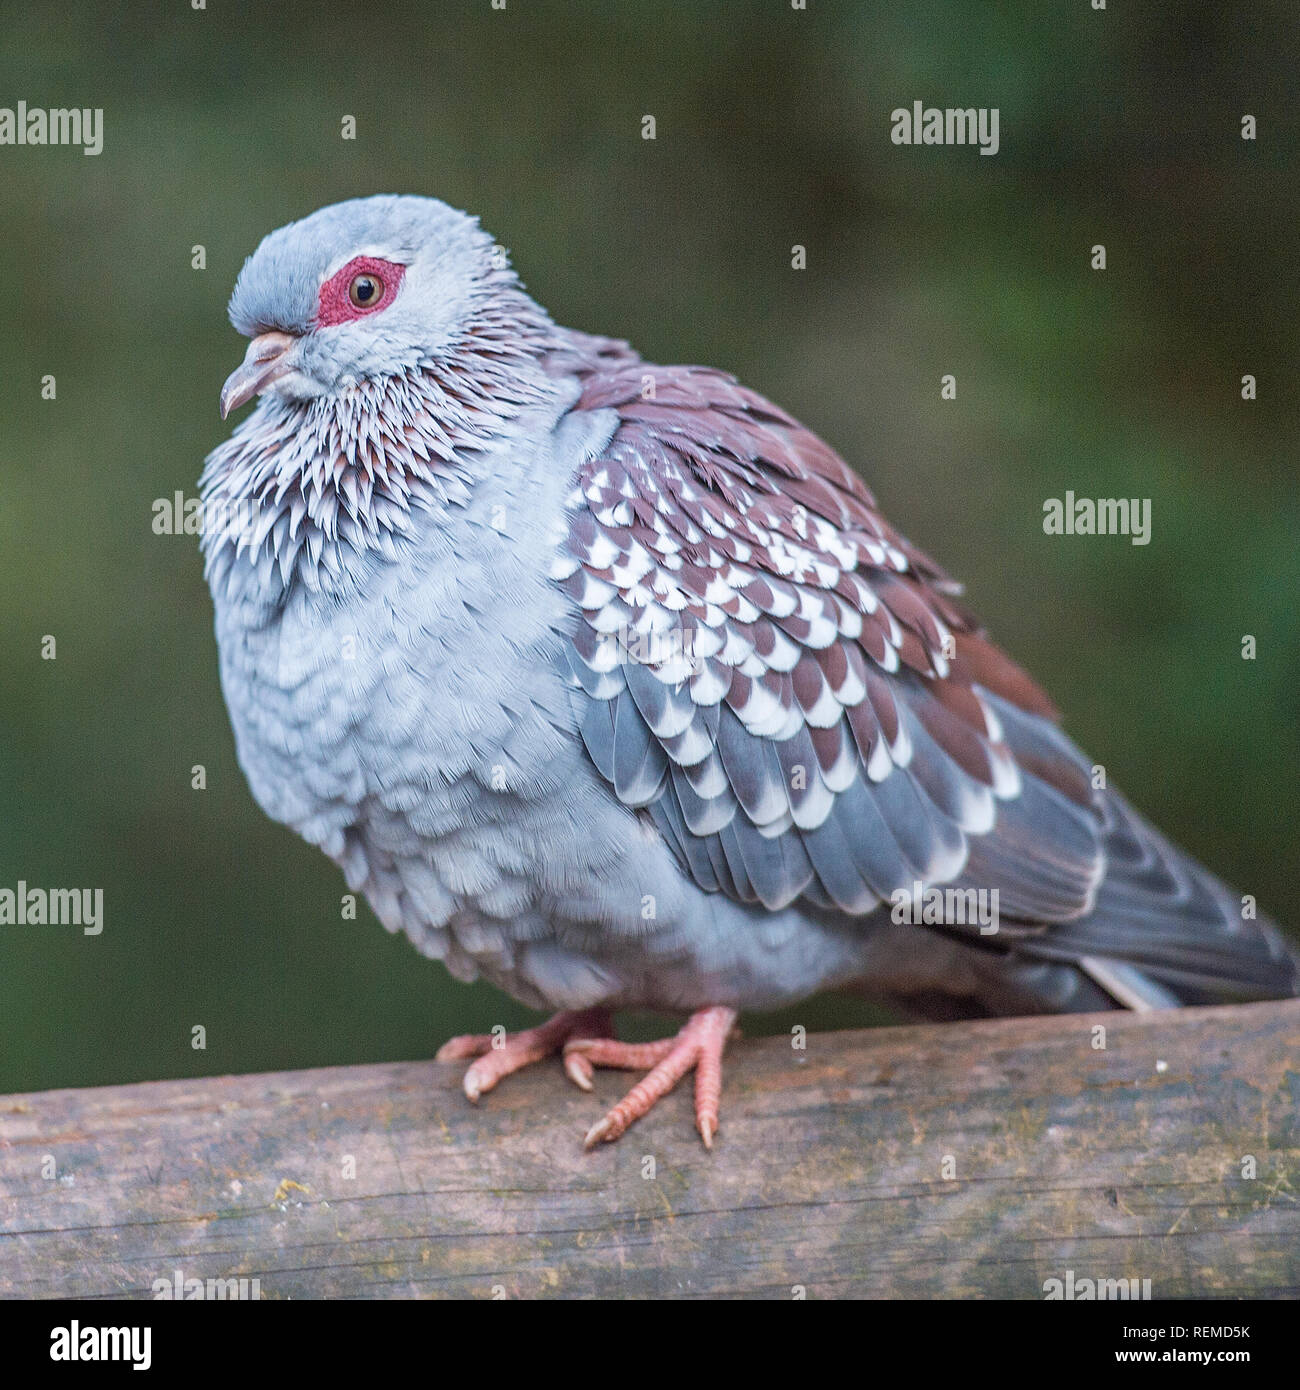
(699, 1045)
(500, 1054)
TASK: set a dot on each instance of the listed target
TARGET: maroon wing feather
(785, 683)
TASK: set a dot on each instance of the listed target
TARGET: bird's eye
(365, 285)
(366, 290)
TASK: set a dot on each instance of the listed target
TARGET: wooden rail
(960, 1160)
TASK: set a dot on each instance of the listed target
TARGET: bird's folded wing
(787, 686)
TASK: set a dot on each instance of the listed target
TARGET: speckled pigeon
(610, 683)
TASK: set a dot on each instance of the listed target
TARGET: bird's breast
(419, 728)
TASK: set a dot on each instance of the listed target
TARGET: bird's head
(367, 288)
(394, 350)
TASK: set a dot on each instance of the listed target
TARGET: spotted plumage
(610, 682)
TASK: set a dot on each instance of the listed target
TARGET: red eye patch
(337, 302)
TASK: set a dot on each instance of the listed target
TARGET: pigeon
(609, 683)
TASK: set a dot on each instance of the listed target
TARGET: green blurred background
(1118, 127)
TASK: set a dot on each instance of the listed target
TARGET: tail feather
(1163, 933)
(1160, 914)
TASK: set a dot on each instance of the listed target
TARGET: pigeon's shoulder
(786, 685)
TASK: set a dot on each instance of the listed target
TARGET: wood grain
(828, 1176)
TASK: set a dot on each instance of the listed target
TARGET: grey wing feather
(824, 724)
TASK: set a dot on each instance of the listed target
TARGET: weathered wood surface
(829, 1173)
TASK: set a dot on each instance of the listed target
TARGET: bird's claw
(697, 1047)
(585, 1041)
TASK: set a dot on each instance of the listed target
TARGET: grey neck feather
(308, 492)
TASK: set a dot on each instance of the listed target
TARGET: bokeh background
(1119, 127)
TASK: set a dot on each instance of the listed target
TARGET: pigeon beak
(265, 361)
